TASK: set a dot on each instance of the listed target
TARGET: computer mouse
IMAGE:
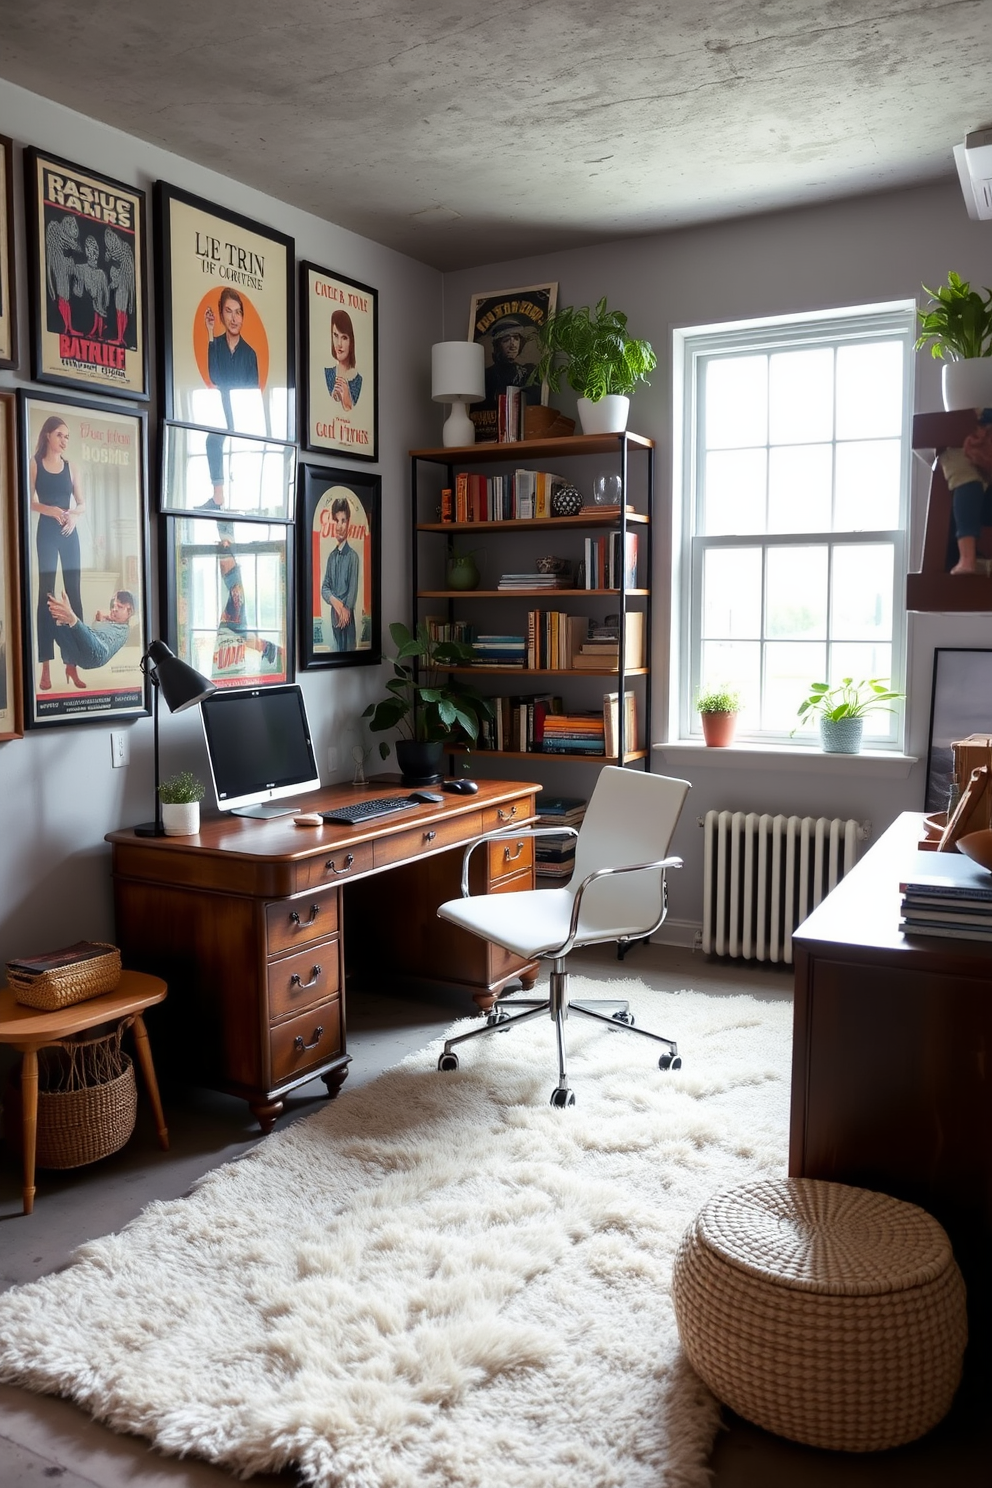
(424, 797)
(461, 787)
(309, 819)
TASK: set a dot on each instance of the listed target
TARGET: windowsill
(780, 757)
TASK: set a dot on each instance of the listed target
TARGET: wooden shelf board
(548, 671)
(532, 449)
(522, 593)
(531, 754)
(945, 593)
(594, 516)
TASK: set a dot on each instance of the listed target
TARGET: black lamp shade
(180, 684)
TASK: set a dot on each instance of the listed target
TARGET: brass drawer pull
(330, 866)
(300, 1046)
(294, 980)
(509, 857)
(429, 836)
(314, 912)
(506, 815)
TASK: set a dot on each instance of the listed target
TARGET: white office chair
(617, 892)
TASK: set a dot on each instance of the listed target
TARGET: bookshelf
(515, 542)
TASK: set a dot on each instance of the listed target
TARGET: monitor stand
(269, 809)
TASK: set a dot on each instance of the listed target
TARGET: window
(795, 475)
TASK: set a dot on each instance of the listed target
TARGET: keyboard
(363, 811)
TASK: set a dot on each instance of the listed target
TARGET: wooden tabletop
(134, 992)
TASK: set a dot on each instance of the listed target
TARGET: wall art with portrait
(339, 325)
(8, 309)
(340, 545)
(86, 277)
(259, 475)
(226, 295)
(961, 704)
(11, 726)
(505, 322)
(227, 598)
(84, 560)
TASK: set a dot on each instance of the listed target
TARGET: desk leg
(143, 1049)
(29, 1120)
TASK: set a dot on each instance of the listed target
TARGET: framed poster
(84, 560)
(86, 276)
(11, 726)
(960, 704)
(8, 315)
(227, 599)
(505, 322)
(227, 321)
(339, 324)
(340, 544)
(259, 476)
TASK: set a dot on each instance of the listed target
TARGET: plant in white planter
(181, 795)
(593, 351)
(957, 326)
(841, 710)
(718, 708)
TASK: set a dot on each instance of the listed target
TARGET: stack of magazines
(555, 855)
(946, 894)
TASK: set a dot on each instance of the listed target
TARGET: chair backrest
(631, 818)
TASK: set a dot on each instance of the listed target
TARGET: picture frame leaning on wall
(86, 278)
(11, 713)
(340, 534)
(504, 322)
(339, 332)
(8, 281)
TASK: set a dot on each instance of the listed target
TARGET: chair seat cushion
(535, 921)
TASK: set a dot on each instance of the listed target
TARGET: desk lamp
(458, 376)
(182, 687)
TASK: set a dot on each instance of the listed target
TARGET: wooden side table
(28, 1030)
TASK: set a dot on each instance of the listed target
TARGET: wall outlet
(118, 748)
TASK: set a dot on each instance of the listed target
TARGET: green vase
(463, 573)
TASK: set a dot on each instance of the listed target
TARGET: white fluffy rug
(439, 1279)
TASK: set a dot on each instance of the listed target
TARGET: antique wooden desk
(246, 923)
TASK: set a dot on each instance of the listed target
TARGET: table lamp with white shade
(458, 376)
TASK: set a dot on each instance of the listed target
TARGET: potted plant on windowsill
(841, 710)
(180, 796)
(429, 706)
(718, 708)
(592, 350)
(957, 326)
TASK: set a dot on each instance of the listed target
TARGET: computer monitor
(260, 749)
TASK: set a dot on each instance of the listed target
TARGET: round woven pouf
(829, 1315)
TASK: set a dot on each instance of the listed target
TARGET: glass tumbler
(606, 490)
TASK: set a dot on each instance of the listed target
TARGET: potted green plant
(718, 708)
(180, 796)
(426, 703)
(592, 350)
(957, 326)
(841, 710)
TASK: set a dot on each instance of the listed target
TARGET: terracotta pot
(718, 729)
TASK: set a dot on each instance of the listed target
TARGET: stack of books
(611, 723)
(499, 651)
(946, 894)
(517, 723)
(574, 733)
(536, 581)
(601, 650)
(555, 855)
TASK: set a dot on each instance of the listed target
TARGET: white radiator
(762, 875)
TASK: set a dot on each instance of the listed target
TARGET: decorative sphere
(566, 502)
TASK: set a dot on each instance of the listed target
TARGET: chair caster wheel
(448, 1062)
(624, 1017)
(496, 1017)
(670, 1061)
(561, 1098)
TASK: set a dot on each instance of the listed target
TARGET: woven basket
(829, 1315)
(66, 985)
(80, 1123)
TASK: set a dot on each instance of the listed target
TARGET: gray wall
(58, 793)
(859, 251)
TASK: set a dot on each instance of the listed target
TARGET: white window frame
(692, 347)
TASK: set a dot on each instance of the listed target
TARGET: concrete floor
(43, 1439)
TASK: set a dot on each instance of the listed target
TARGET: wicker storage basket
(829, 1315)
(65, 985)
(80, 1122)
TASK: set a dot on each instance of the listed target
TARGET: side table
(28, 1030)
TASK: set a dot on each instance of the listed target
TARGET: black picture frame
(106, 456)
(332, 420)
(87, 259)
(320, 487)
(204, 619)
(11, 711)
(8, 279)
(518, 313)
(960, 704)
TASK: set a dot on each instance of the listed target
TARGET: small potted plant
(718, 708)
(957, 326)
(429, 705)
(841, 710)
(593, 351)
(180, 796)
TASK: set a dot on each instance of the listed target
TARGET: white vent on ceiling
(974, 162)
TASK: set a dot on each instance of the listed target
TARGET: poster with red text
(339, 319)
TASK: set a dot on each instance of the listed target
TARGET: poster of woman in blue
(339, 319)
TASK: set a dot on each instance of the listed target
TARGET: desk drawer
(296, 922)
(510, 855)
(297, 982)
(495, 817)
(407, 845)
(307, 1040)
(503, 963)
(334, 866)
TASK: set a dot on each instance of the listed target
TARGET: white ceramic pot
(181, 818)
(967, 384)
(608, 416)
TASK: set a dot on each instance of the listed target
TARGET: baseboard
(683, 933)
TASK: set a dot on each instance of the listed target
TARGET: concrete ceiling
(465, 133)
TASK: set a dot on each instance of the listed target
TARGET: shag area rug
(439, 1279)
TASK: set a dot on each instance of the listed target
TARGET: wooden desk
(28, 1030)
(246, 922)
(892, 1059)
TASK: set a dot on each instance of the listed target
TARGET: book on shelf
(948, 875)
(604, 567)
(440, 628)
(553, 638)
(574, 733)
(534, 581)
(935, 906)
(603, 652)
(611, 722)
(946, 932)
(499, 650)
(447, 505)
(566, 811)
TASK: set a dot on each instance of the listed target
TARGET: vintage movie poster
(85, 601)
(87, 278)
(259, 476)
(10, 631)
(505, 322)
(339, 321)
(227, 332)
(8, 317)
(339, 568)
